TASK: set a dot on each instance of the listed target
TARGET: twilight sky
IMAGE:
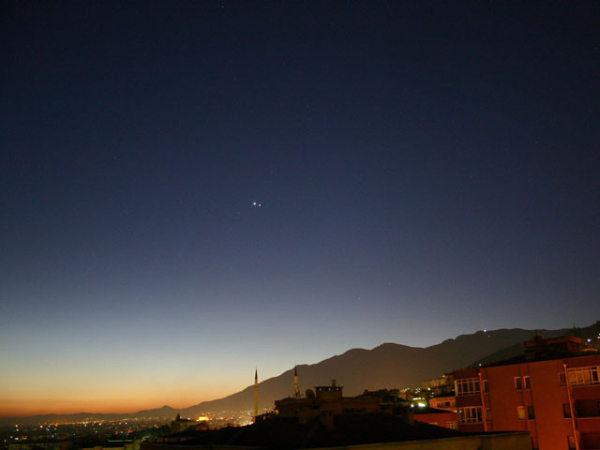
(420, 170)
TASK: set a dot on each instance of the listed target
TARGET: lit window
(527, 382)
(583, 375)
(522, 412)
(518, 383)
(470, 414)
(452, 425)
(467, 386)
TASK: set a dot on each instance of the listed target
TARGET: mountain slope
(386, 366)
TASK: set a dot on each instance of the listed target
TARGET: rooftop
(287, 433)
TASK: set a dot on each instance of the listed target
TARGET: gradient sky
(424, 170)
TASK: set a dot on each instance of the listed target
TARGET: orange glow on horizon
(23, 408)
(112, 393)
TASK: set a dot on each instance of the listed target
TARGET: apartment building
(556, 399)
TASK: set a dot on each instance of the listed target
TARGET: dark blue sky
(425, 169)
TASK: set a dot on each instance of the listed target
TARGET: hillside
(386, 366)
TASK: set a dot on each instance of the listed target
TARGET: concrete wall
(508, 441)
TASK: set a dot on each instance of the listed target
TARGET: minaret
(296, 388)
(255, 394)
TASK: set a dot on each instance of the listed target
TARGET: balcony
(590, 440)
(588, 408)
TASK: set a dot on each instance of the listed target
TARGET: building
(255, 394)
(553, 392)
(328, 401)
(178, 425)
(446, 403)
(350, 431)
(439, 387)
(325, 419)
(437, 417)
(441, 392)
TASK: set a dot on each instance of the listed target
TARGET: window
(486, 386)
(522, 412)
(452, 425)
(562, 381)
(467, 386)
(530, 413)
(518, 383)
(470, 414)
(571, 441)
(566, 410)
(583, 375)
(527, 381)
(488, 415)
(534, 443)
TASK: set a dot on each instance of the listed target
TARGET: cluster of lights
(419, 404)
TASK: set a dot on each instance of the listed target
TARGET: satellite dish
(310, 393)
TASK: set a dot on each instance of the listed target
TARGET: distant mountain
(386, 366)
(592, 333)
(165, 411)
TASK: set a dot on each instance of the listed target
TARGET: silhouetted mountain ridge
(388, 365)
